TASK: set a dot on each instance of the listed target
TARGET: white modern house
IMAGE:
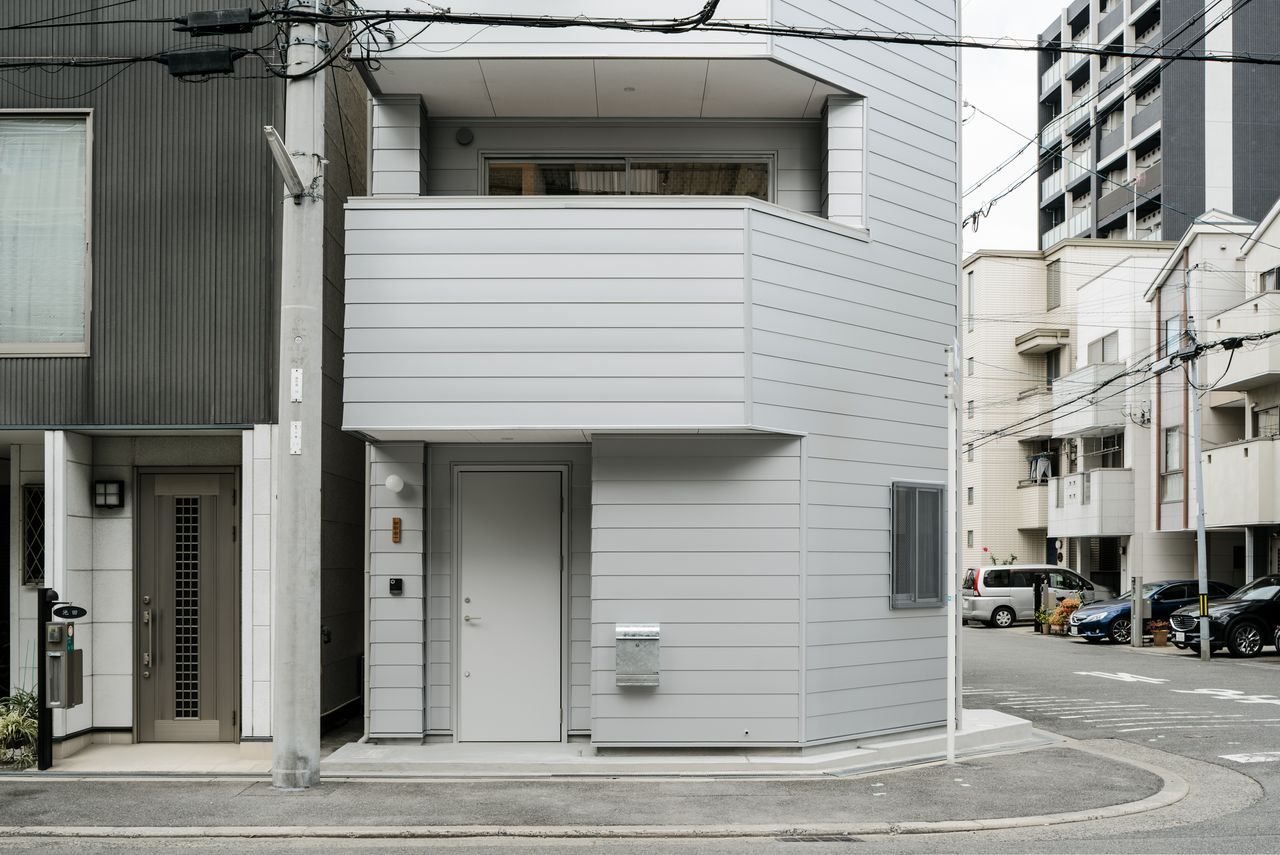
(646, 337)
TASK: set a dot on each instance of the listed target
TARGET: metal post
(1250, 533)
(45, 599)
(1136, 609)
(1202, 559)
(953, 497)
(295, 672)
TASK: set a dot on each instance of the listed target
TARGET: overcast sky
(1002, 83)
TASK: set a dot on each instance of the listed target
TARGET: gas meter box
(63, 667)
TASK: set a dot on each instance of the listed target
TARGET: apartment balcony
(1147, 117)
(1051, 79)
(1041, 340)
(465, 70)
(1251, 366)
(1241, 483)
(1099, 412)
(1111, 21)
(1033, 505)
(1052, 187)
(481, 317)
(1151, 179)
(1097, 503)
(1114, 204)
(1051, 133)
(1079, 166)
(1080, 113)
(1079, 223)
(1111, 142)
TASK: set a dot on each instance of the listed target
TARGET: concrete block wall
(397, 660)
(399, 162)
(256, 587)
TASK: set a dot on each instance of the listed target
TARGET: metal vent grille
(33, 534)
(186, 607)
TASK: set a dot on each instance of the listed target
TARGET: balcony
(1097, 503)
(1079, 113)
(1253, 365)
(1147, 117)
(1113, 204)
(1051, 133)
(1099, 412)
(1051, 79)
(471, 317)
(1033, 505)
(1111, 21)
(1041, 340)
(1111, 142)
(1079, 223)
(1151, 179)
(1079, 165)
(1052, 186)
(1240, 483)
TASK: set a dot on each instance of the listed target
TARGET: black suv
(1243, 622)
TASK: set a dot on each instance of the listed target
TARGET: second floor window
(44, 236)
(629, 177)
(1171, 466)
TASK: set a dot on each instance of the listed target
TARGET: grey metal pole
(295, 672)
(1202, 561)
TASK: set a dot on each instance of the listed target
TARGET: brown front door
(187, 656)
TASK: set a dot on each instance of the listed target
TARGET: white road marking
(1178, 727)
(1122, 677)
(1232, 695)
(1260, 757)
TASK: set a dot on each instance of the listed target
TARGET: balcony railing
(1111, 142)
(1249, 367)
(1097, 503)
(1147, 117)
(1051, 132)
(1052, 186)
(1033, 505)
(1079, 164)
(1240, 483)
(1051, 78)
(1081, 222)
(1096, 413)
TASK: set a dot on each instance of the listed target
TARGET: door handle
(470, 618)
(148, 620)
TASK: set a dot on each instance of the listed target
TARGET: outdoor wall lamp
(108, 494)
(394, 483)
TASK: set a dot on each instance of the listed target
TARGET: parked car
(1111, 618)
(1002, 594)
(1242, 622)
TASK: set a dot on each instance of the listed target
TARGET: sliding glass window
(627, 176)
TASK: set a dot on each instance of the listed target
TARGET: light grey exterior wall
(399, 150)
(441, 571)
(536, 312)
(397, 659)
(795, 146)
(855, 362)
(702, 535)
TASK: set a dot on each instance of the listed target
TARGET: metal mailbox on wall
(636, 654)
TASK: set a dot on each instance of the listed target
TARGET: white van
(1004, 593)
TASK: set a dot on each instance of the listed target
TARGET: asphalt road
(1217, 725)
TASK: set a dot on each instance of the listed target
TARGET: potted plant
(18, 725)
(1159, 632)
(1060, 618)
(1042, 620)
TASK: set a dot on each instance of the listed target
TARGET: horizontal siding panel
(393, 413)
(703, 705)
(872, 697)
(887, 718)
(693, 516)
(419, 316)
(866, 676)
(850, 355)
(674, 289)
(605, 265)
(546, 389)
(743, 634)
(706, 563)
(710, 468)
(695, 539)
(622, 237)
(639, 588)
(700, 662)
(564, 216)
(695, 492)
(699, 731)
(824, 639)
(674, 611)
(558, 339)
(887, 652)
(691, 683)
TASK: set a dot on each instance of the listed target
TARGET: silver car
(1002, 594)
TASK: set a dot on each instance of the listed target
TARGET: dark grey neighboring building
(1139, 148)
(139, 291)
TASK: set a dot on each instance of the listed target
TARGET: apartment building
(1240, 469)
(139, 283)
(1137, 148)
(1040, 329)
(646, 335)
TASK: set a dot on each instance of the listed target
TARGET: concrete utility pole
(1202, 560)
(295, 661)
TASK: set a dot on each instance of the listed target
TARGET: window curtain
(42, 230)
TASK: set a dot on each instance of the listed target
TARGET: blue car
(1111, 619)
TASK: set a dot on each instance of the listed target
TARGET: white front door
(508, 605)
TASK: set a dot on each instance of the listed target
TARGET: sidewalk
(1013, 789)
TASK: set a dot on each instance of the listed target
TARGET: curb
(1174, 789)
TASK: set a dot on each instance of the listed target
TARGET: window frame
(79, 348)
(914, 600)
(769, 159)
